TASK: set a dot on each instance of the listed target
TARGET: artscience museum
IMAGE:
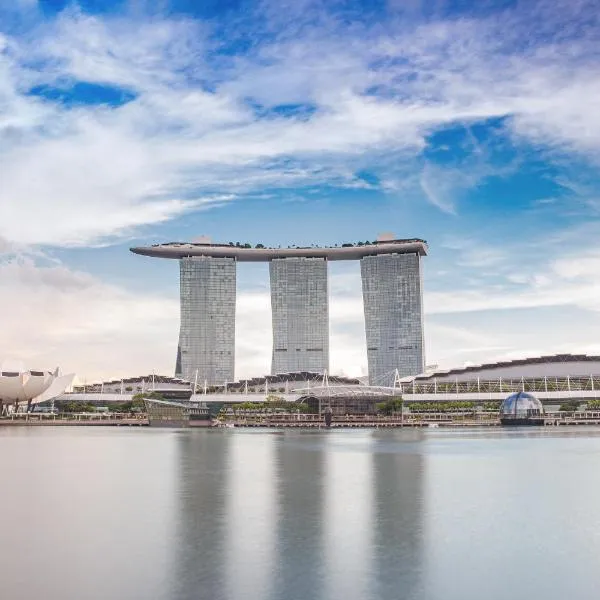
(21, 385)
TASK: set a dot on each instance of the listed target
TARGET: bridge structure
(548, 389)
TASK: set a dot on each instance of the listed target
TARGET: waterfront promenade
(90, 419)
(459, 419)
(302, 421)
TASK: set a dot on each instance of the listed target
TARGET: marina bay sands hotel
(392, 298)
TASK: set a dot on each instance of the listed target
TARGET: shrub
(446, 406)
(569, 406)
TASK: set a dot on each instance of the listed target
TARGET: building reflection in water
(299, 569)
(398, 474)
(290, 515)
(252, 512)
(348, 524)
(202, 517)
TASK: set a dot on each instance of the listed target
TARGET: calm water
(174, 515)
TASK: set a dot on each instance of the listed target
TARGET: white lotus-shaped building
(18, 384)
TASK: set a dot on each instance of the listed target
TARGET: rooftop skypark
(262, 246)
(246, 252)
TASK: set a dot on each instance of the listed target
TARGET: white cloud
(570, 280)
(555, 310)
(347, 347)
(441, 186)
(55, 316)
(200, 131)
(253, 334)
(580, 267)
(582, 294)
(190, 134)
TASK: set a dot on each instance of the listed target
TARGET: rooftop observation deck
(247, 253)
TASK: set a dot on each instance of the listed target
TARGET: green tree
(569, 406)
(137, 401)
(447, 406)
(75, 407)
(391, 406)
(275, 398)
(491, 405)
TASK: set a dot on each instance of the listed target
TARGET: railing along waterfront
(446, 419)
(114, 418)
(314, 420)
(423, 419)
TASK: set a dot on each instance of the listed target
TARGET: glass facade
(207, 333)
(300, 313)
(521, 405)
(393, 305)
(340, 406)
(166, 415)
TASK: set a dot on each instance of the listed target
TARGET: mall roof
(153, 380)
(245, 253)
(555, 358)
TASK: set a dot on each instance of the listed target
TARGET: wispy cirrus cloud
(567, 281)
(110, 122)
(203, 115)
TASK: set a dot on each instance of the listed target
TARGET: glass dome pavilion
(522, 409)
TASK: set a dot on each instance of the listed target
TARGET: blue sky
(473, 125)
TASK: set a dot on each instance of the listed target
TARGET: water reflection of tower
(348, 529)
(398, 473)
(251, 516)
(203, 487)
(301, 481)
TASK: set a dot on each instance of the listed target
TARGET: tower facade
(392, 294)
(393, 305)
(300, 314)
(207, 331)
